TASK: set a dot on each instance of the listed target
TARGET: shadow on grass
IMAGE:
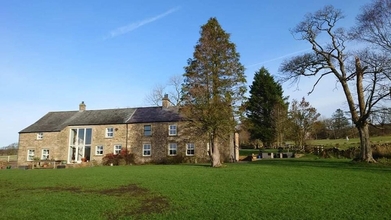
(146, 201)
(324, 163)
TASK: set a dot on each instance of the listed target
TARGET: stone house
(151, 134)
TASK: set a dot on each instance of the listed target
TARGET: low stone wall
(378, 151)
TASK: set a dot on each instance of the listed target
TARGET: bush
(171, 160)
(381, 151)
(123, 158)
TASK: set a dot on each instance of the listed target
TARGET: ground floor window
(30, 154)
(45, 154)
(190, 149)
(117, 149)
(146, 149)
(172, 149)
(99, 150)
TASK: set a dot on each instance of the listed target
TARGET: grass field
(267, 189)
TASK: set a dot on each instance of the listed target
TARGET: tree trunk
(365, 146)
(214, 154)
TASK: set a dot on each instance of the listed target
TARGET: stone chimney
(165, 101)
(82, 106)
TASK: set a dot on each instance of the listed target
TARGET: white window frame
(99, 150)
(150, 130)
(172, 147)
(40, 136)
(149, 149)
(109, 132)
(45, 154)
(30, 154)
(190, 147)
(117, 149)
(172, 130)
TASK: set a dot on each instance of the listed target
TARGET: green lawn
(266, 189)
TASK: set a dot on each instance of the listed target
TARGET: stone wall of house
(53, 141)
(130, 136)
(160, 141)
(99, 138)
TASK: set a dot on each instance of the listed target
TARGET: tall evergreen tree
(265, 108)
(214, 87)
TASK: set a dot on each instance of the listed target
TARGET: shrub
(171, 160)
(123, 158)
(381, 150)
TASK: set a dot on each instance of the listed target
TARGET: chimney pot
(165, 101)
(82, 106)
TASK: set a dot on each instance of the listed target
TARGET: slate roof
(155, 114)
(56, 121)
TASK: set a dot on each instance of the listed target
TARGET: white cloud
(278, 58)
(133, 26)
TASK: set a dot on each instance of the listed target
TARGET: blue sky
(110, 54)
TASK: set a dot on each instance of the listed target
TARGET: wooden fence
(9, 158)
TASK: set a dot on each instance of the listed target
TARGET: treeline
(11, 149)
(302, 123)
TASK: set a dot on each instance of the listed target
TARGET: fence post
(8, 158)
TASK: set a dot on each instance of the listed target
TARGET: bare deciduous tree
(363, 76)
(302, 117)
(374, 24)
(172, 88)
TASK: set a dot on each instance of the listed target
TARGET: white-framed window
(146, 149)
(117, 149)
(190, 149)
(80, 149)
(172, 149)
(30, 154)
(109, 132)
(45, 154)
(172, 130)
(39, 136)
(147, 130)
(99, 150)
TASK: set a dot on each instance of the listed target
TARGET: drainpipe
(126, 139)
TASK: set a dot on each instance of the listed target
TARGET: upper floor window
(146, 149)
(172, 130)
(99, 150)
(45, 154)
(109, 132)
(147, 130)
(40, 136)
(172, 149)
(190, 149)
(117, 149)
(30, 154)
